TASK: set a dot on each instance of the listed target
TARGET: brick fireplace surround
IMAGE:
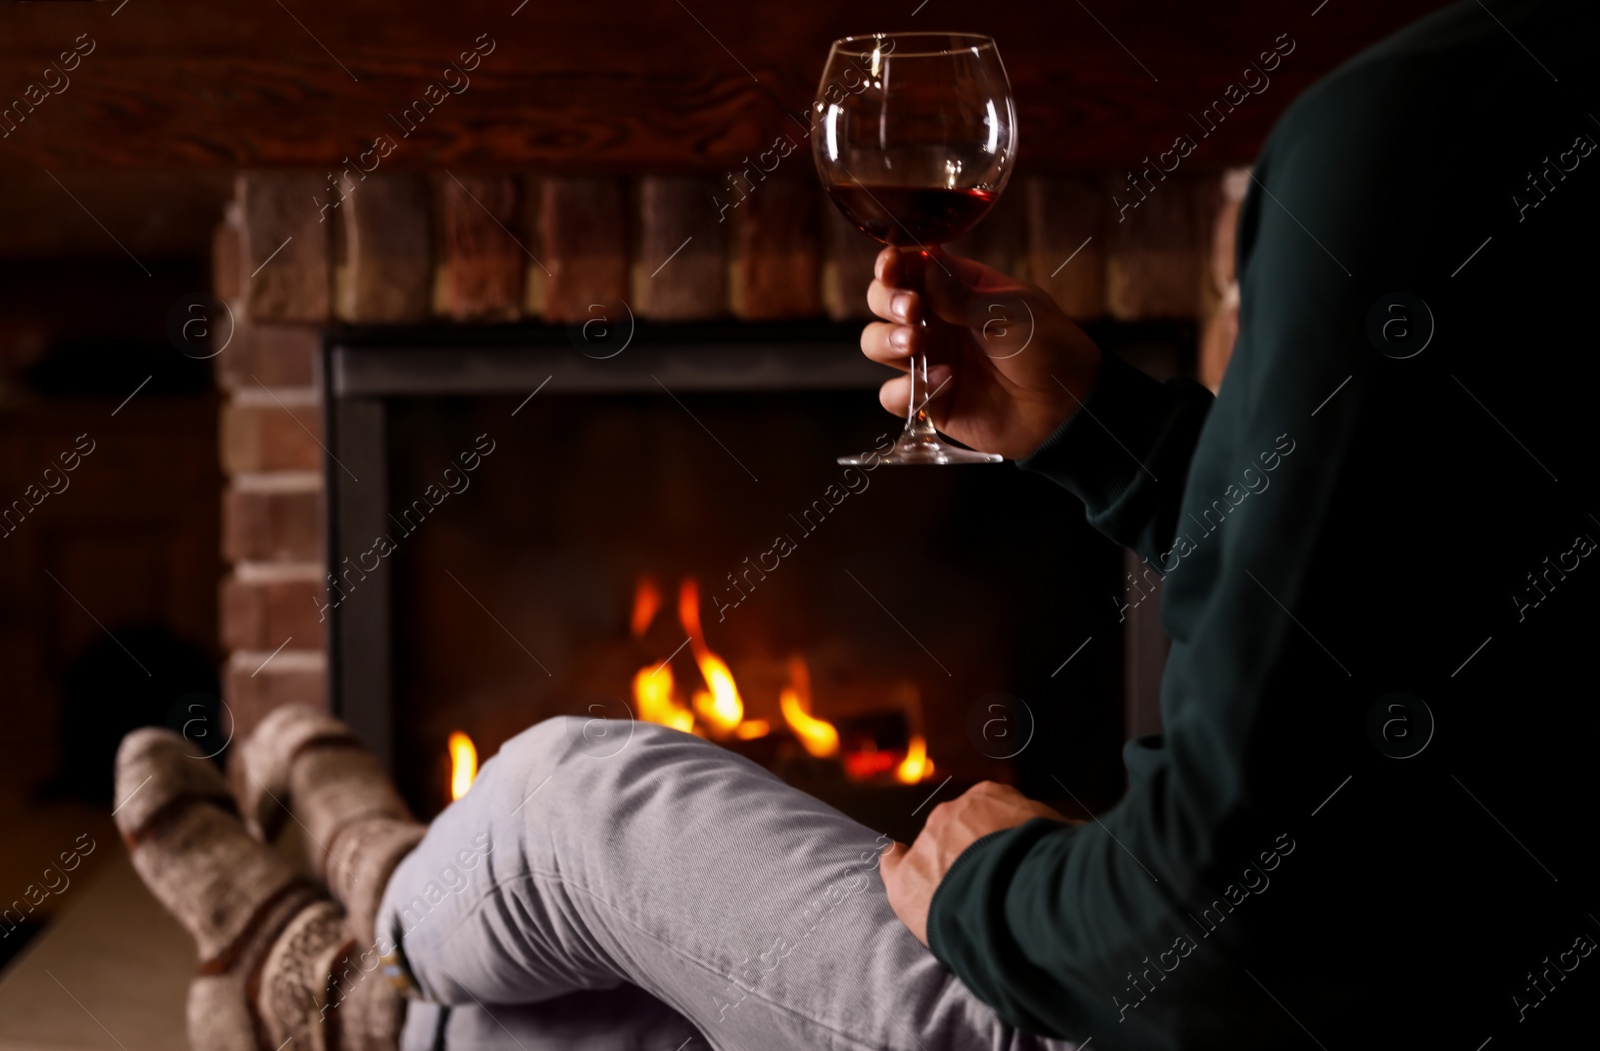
(493, 248)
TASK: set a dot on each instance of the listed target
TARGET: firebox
(520, 527)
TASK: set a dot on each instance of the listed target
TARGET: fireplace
(519, 527)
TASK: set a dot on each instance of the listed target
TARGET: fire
(646, 602)
(463, 764)
(818, 737)
(718, 711)
(866, 762)
(916, 766)
(652, 693)
(719, 707)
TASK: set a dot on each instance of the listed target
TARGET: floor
(110, 971)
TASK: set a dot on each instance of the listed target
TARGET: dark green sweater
(1361, 511)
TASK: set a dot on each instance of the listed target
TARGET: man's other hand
(912, 874)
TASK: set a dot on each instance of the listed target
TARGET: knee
(564, 736)
(546, 738)
(575, 766)
(567, 740)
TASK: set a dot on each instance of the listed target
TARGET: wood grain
(285, 243)
(481, 259)
(643, 85)
(583, 226)
(776, 265)
(386, 274)
(680, 267)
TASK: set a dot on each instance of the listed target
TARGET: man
(1353, 830)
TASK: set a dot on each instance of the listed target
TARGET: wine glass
(915, 137)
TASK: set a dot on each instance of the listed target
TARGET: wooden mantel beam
(649, 85)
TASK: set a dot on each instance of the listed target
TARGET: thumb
(999, 312)
(952, 282)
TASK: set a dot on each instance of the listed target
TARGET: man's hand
(1006, 365)
(912, 874)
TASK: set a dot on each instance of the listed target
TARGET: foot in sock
(303, 764)
(275, 955)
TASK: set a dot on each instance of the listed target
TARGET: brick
(1067, 221)
(481, 258)
(279, 213)
(681, 270)
(227, 262)
(252, 692)
(272, 517)
(273, 356)
(776, 268)
(583, 226)
(847, 266)
(271, 432)
(385, 272)
(1157, 261)
(264, 606)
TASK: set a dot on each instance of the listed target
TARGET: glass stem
(918, 426)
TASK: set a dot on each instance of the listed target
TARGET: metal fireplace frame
(360, 369)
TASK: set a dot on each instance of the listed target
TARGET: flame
(916, 766)
(463, 764)
(718, 709)
(817, 736)
(719, 706)
(646, 602)
(652, 695)
(867, 762)
(750, 729)
(718, 712)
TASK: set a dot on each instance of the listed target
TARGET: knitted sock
(272, 950)
(304, 763)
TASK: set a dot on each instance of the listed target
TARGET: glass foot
(910, 451)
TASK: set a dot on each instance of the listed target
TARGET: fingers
(896, 275)
(995, 788)
(893, 267)
(909, 286)
(889, 344)
(894, 304)
(891, 869)
(895, 395)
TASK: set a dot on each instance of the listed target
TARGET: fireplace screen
(519, 531)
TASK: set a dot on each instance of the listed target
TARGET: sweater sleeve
(1125, 453)
(1052, 925)
(1333, 463)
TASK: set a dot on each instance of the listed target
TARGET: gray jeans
(620, 886)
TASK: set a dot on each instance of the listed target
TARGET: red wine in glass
(915, 139)
(911, 216)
